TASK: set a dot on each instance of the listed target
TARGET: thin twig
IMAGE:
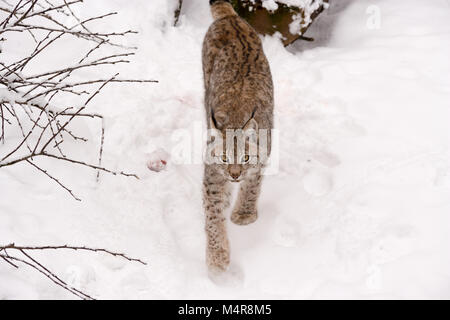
(54, 179)
(69, 247)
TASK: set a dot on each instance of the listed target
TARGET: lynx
(238, 97)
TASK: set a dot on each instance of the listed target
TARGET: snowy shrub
(37, 107)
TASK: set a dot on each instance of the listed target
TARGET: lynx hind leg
(216, 195)
(245, 210)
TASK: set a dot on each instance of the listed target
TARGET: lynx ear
(212, 125)
(251, 124)
(218, 119)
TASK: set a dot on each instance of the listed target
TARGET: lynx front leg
(245, 210)
(216, 196)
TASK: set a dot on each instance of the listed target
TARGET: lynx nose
(235, 175)
(234, 171)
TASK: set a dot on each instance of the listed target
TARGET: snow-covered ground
(360, 206)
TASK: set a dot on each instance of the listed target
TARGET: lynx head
(233, 149)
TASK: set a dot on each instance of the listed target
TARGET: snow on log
(290, 18)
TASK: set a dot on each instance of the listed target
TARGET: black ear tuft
(219, 118)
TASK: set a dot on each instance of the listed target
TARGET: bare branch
(54, 179)
(101, 149)
(69, 247)
(90, 165)
(28, 260)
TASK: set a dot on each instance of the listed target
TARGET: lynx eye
(224, 158)
(245, 158)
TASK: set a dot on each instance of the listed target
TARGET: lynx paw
(233, 277)
(243, 218)
(217, 260)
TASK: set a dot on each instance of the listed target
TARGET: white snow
(360, 205)
(270, 5)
